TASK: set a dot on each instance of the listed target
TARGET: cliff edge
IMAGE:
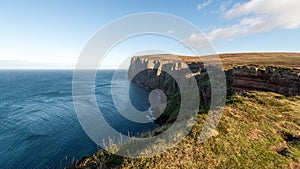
(274, 72)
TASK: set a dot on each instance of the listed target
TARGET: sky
(52, 34)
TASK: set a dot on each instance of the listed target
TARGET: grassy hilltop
(257, 130)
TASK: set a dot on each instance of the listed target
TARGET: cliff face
(280, 80)
(160, 72)
(154, 72)
(284, 81)
(159, 62)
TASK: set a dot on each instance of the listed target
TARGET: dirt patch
(294, 165)
(281, 149)
(255, 134)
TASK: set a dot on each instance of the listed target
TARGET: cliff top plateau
(229, 60)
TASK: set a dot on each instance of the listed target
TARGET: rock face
(154, 72)
(169, 62)
(284, 81)
(158, 72)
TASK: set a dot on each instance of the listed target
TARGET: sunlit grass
(257, 130)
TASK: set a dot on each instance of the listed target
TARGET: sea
(39, 128)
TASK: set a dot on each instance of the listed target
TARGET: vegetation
(257, 130)
(229, 60)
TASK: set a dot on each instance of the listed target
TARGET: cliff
(274, 72)
(284, 81)
(154, 71)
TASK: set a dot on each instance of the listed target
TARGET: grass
(230, 60)
(257, 130)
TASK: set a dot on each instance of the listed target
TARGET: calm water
(38, 124)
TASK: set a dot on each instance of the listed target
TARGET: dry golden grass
(289, 60)
(278, 59)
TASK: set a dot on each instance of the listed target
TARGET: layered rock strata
(152, 72)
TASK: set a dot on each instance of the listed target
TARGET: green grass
(257, 130)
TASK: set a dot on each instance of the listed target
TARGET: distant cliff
(283, 76)
(284, 81)
(147, 71)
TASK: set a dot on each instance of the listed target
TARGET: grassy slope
(257, 130)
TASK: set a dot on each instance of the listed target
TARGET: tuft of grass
(257, 130)
(234, 100)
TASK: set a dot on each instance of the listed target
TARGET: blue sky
(52, 33)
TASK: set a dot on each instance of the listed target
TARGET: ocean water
(38, 124)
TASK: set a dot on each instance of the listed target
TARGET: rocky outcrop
(152, 73)
(158, 62)
(157, 72)
(284, 81)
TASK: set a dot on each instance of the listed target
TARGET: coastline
(265, 77)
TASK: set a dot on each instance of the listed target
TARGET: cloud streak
(256, 16)
(203, 5)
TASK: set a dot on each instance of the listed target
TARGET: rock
(152, 71)
(274, 79)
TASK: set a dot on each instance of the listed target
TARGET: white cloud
(257, 16)
(224, 5)
(199, 41)
(203, 5)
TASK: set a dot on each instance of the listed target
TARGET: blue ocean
(39, 127)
